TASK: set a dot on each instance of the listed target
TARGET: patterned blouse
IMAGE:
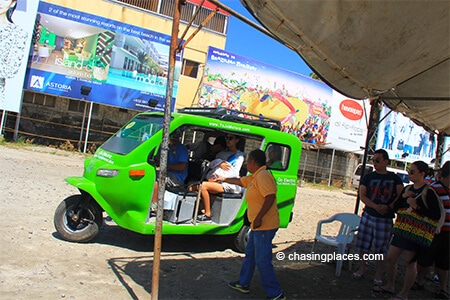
(12, 51)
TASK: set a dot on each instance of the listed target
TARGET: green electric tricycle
(120, 176)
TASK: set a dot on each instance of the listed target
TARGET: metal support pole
(16, 128)
(371, 128)
(331, 167)
(88, 127)
(304, 166)
(317, 162)
(82, 125)
(2, 123)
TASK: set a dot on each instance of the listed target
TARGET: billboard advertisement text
(124, 65)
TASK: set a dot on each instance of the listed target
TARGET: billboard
(304, 106)
(122, 65)
(348, 124)
(403, 139)
(15, 40)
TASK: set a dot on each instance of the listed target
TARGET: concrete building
(55, 119)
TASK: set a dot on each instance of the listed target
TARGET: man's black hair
(258, 156)
(383, 153)
(221, 141)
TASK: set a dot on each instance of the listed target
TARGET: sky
(247, 41)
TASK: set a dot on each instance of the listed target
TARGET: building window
(277, 156)
(190, 68)
(50, 101)
(39, 99)
(78, 106)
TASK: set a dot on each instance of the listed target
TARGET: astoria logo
(352, 110)
(58, 86)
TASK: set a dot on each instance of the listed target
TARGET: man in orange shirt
(265, 220)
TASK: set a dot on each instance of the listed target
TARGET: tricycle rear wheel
(241, 238)
(78, 219)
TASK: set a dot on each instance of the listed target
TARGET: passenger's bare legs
(207, 188)
(155, 193)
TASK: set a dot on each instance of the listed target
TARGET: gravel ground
(36, 264)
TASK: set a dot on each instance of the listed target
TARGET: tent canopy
(397, 51)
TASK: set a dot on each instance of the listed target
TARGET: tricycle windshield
(134, 133)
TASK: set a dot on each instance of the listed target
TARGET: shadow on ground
(188, 275)
(199, 267)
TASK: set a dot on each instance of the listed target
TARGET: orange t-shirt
(259, 185)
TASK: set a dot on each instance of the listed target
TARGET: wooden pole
(164, 150)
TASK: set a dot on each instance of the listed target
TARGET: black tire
(78, 219)
(241, 238)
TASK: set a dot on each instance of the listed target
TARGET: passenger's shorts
(172, 180)
(231, 188)
(374, 234)
(438, 252)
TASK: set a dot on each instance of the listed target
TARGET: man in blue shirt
(177, 161)
(177, 165)
(377, 190)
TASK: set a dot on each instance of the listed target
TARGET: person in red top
(439, 250)
(265, 220)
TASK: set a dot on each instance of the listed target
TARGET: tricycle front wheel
(78, 219)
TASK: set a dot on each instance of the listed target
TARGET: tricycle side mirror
(152, 159)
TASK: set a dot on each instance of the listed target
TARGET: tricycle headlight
(107, 173)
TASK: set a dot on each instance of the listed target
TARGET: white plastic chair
(349, 225)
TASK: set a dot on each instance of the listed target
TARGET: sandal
(378, 281)
(203, 218)
(356, 275)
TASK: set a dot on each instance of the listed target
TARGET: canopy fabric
(397, 51)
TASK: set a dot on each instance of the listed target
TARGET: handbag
(415, 227)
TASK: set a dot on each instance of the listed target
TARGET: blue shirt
(178, 154)
(381, 189)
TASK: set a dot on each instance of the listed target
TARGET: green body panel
(127, 200)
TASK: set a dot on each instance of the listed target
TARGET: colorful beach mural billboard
(303, 105)
(123, 65)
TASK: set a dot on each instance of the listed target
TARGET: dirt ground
(36, 264)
